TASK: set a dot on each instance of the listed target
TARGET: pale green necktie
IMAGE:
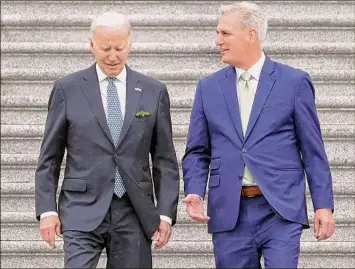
(246, 99)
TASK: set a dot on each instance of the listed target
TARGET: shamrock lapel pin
(142, 113)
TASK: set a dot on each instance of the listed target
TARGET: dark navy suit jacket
(77, 123)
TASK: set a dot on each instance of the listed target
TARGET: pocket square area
(142, 113)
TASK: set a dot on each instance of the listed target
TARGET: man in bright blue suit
(254, 132)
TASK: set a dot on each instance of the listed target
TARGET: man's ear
(253, 36)
(91, 44)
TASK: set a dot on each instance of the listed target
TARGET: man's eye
(223, 33)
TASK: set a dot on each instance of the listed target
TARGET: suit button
(244, 150)
(240, 177)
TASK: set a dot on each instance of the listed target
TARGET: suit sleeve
(313, 153)
(165, 167)
(51, 153)
(196, 160)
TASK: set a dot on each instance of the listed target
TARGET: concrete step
(341, 187)
(16, 139)
(339, 150)
(179, 131)
(322, 30)
(176, 88)
(344, 206)
(185, 74)
(176, 101)
(79, 11)
(31, 142)
(288, 21)
(33, 110)
(179, 115)
(178, 254)
(36, 131)
(22, 226)
(182, 116)
(17, 170)
(33, 103)
(19, 180)
(169, 56)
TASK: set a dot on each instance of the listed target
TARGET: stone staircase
(173, 42)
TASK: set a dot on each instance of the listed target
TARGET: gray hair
(111, 20)
(250, 16)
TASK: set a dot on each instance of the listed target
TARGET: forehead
(228, 21)
(107, 33)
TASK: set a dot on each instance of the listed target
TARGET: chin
(225, 60)
(113, 73)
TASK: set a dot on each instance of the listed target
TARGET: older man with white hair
(254, 131)
(110, 119)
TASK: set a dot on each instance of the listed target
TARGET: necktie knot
(111, 79)
(245, 76)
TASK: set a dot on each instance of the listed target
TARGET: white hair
(112, 20)
(250, 15)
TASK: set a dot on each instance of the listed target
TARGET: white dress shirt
(121, 86)
(254, 71)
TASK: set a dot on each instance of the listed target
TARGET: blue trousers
(259, 232)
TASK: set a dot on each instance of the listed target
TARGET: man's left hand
(162, 235)
(324, 225)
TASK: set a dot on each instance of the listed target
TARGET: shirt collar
(255, 70)
(122, 77)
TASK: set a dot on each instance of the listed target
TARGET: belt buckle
(247, 196)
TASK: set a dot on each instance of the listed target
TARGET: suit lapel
(266, 82)
(132, 99)
(229, 90)
(91, 89)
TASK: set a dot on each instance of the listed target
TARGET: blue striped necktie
(115, 123)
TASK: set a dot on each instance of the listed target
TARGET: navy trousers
(259, 231)
(120, 233)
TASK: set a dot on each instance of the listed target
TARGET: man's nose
(112, 56)
(218, 41)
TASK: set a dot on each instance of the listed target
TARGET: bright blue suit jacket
(283, 142)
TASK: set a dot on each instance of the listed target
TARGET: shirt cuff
(165, 218)
(49, 213)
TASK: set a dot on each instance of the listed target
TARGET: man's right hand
(50, 226)
(194, 207)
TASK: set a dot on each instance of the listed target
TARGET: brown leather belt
(251, 191)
